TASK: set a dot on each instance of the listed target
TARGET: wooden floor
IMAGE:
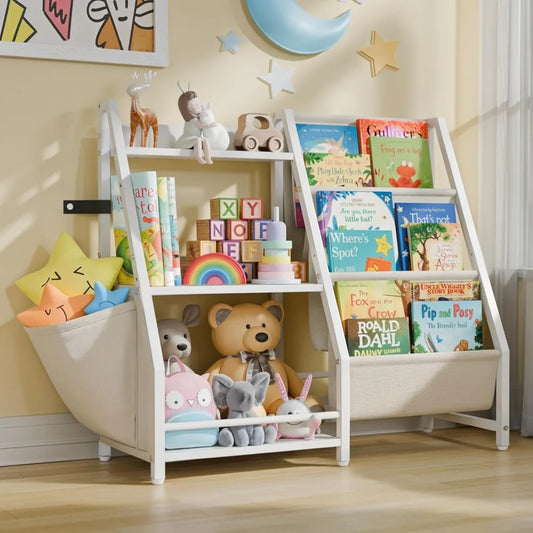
(450, 480)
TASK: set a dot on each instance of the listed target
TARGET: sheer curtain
(505, 173)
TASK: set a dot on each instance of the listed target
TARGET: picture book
(173, 215)
(435, 246)
(338, 170)
(445, 290)
(166, 235)
(147, 204)
(361, 210)
(377, 336)
(360, 250)
(413, 213)
(446, 326)
(328, 138)
(120, 233)
(372, 298)
(367, 127)
(401, 162)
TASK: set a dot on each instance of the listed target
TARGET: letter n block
(258, 229)
(224, 208)
(251, 251)
(210, 230)
(251, 208)
(236, 230)
(230, 248)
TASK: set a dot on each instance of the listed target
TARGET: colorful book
(435, 246)
(166, 234)
(372, 298)
(446, 326)
(445, 290)
(120, 233)
(401, 162)
(413, 213)
(377, 336)
(367, 127)
(338, 170)
(173, 215)
(328, 138)
(147, 204)
(360, 250)
(360, 210)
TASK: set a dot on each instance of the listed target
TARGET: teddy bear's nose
(181, 347)
(261, 337)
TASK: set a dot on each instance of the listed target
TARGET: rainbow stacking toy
(275, 265)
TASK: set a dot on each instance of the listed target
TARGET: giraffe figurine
(141, 116)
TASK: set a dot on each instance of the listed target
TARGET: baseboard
(44, 439)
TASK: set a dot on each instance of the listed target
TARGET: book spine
(166, 237)
(147, 204)
(173, 217)
(120, 234)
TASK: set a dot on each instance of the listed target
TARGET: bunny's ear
(306, 387)
(281, 388)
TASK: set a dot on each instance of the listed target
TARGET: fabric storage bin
(92, 363)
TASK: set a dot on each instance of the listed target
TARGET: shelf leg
(428, 423)
(104, 451)
(157, 471)
(502, 438)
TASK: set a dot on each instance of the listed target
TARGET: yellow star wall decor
(380, 53)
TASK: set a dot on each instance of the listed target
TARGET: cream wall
(49, 148)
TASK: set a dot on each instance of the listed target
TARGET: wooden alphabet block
(231, 248)
(210, 230)
(224, 208)
(251, 251)
(249, 270)
(300, 270)
(236, 230)
(195, 249)
(258, 229)
(251, 208)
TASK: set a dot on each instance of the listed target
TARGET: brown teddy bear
(246, 335)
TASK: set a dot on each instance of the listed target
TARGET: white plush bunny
(304, 429)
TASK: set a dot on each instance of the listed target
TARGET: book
(360, 250)
(328, 138)
(173, 215)
(166, 234)
(120, 233)
(406, 213)
(372, 299)
(435, 246)
(367, 127)
(445, 290)
(446, 326)
(377, 336)
(360, 210)
(401, 162)
(147, 204)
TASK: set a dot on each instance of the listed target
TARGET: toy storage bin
(388, 386)
(92, 363)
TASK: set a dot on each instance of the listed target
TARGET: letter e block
(236, 230)
(251, 208)
(230, 248)
(258, 229)
(224, 208)
(251, 251)
(210, 230)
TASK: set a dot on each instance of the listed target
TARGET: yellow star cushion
(55, 308)
(71, 271)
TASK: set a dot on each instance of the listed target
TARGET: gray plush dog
(241, 397)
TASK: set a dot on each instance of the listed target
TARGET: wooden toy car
(257, 132)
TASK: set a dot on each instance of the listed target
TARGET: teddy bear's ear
(217, 314)
(275, 308)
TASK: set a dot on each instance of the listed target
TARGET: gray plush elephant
(241, 397)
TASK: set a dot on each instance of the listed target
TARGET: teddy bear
(247, 335)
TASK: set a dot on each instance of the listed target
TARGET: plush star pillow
(70, 270)
(55, 307)
(104, 298)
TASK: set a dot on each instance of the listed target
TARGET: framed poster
(132, 32)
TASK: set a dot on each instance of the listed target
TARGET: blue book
(360, 250)
(328, 138)
(416, 213)
(446, 325)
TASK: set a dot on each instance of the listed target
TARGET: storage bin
(92, 363)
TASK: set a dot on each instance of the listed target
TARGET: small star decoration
(383, 246)
(278, 78)
(380, 53)
(230, 42)
(104, 298)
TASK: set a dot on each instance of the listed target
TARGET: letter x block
(224, 208)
